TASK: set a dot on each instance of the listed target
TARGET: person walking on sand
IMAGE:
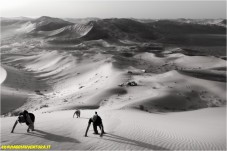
(97, 121)
(25, 117)
(77, 112)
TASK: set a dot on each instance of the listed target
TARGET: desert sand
(148, 131)
(3, 74)
(179, 102)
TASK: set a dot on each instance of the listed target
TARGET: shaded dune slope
(103, 54)
(94, 82)
(150, 95)
(110, 29)
(46, 23)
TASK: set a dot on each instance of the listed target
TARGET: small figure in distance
(25, 117)
(97, 121)
(77, 112)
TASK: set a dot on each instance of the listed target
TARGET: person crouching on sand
(77, 112)
(27, 118)
(97, 121)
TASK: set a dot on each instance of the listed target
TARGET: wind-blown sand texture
(126, 130)
(179, 102)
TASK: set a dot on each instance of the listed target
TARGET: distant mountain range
(70, 30)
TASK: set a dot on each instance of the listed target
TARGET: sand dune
(150, 93)
(3, 74)
(27, 27)
(76, 31)
(46, 23)
(170, 92)
(17, 88)
(200, 62)
(11, 99)
(126, 130)
(137, 117)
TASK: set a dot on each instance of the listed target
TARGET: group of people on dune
(96, 120)
(29, 119)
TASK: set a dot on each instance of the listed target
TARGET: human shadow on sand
(52, 137)
(124, 140)
(82, 118)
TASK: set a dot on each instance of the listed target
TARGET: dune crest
(3, 74)
(157, 84)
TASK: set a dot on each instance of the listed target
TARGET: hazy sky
(117, 8)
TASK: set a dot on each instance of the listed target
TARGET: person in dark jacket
(25, 117)
(77, 112)
(97, 121)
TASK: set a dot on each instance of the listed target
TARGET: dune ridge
(3, 74)
(157, 84)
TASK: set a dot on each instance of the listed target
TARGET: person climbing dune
(25, 117)
(77, 112)
(97, 121)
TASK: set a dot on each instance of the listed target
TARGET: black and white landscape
(158, 84)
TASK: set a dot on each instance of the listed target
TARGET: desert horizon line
(35, 17)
